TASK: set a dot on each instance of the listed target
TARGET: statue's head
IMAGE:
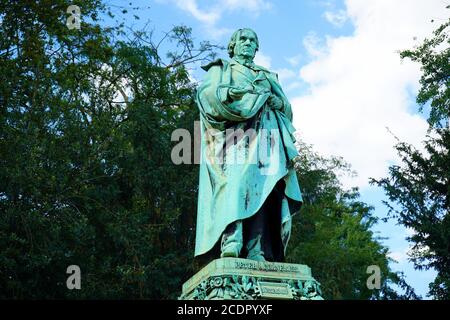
(244, 42)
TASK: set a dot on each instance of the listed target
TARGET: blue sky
(338, 62)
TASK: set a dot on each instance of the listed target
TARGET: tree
(420, 186)
(434, 56)
(85, 122)
(332, 233)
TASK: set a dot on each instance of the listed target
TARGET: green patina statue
(245, 207)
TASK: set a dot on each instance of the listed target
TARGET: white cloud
(285, 74)
(293, 85)
(410, 232)
(262, 60)
(399, 256)
(210, 16)
(359, 86)
(313, 44)
(295, 60)
(402, 253)
(337, 18)
(255, 6)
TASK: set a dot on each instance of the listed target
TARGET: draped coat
(238, 172)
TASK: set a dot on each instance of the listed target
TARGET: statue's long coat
(231, 191)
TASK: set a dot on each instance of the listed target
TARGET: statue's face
(245, 45)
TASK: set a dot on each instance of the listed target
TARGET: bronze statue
(245, 207)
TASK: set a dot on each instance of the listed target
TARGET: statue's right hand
(238, 92)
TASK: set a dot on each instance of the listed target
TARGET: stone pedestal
(243, 279)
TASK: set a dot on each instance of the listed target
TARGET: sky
(338, 62)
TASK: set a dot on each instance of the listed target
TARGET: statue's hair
(234, 38)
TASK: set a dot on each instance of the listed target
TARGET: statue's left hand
(275, 102)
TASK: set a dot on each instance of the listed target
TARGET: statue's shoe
(230, 251)
(229, 254)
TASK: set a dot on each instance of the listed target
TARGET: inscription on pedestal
(261, 266)
(270, 290)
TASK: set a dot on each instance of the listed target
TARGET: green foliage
(421, 189)
(434, 56)
(332, 234)
(86, 121)
(421, 185)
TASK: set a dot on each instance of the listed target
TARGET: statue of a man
(245, 207)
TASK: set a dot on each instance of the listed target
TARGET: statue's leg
(255, 249)
(231, 243)
(262, 238)
(254, 228)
